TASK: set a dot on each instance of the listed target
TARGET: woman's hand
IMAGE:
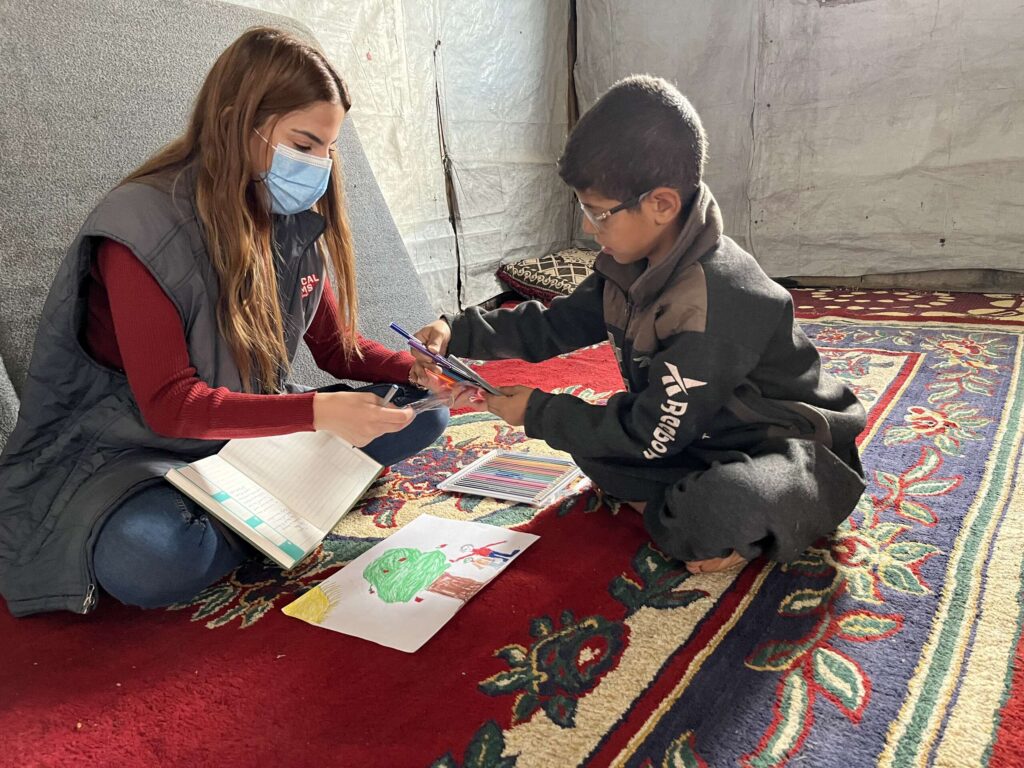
(429, 377)
(359, 417)
(468, 396)
(458, 394)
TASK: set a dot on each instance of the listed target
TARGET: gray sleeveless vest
(80, 446)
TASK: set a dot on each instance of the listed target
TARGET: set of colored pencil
(516, 476)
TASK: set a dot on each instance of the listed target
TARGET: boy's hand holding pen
(426, 372)
(428, 344)
(510, 402)
(435, 336)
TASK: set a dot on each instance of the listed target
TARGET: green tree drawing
(400, 574)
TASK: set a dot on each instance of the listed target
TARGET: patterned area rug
(895, 642)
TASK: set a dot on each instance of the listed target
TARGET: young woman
(170, 327)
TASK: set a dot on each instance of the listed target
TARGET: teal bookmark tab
(292, 549)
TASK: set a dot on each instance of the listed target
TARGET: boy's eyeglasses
(597, 219)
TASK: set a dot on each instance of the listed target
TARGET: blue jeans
(159, 547)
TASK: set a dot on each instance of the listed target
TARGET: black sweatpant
(774, 499)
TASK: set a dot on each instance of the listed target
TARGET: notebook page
(317, 474)
(252, 507)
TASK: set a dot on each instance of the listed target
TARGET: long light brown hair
(265, 74)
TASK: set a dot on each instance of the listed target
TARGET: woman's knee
(154, 554)
(430, 425)
(394, 447)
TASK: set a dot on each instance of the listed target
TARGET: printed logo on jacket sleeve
(677, 388)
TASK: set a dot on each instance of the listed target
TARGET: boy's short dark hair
(641, 134)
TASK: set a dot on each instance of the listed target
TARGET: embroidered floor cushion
(546, 277)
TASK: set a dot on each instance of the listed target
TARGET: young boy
(729, 437)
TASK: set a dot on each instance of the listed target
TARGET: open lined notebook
(281, 494)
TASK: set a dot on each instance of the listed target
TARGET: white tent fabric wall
(848, 137)
(500, 75)
(505, 73)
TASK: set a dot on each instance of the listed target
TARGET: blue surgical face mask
(295, 180)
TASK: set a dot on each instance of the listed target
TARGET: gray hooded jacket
(712, 361)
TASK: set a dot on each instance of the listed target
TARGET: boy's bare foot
(716, 564)
(711, 565)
